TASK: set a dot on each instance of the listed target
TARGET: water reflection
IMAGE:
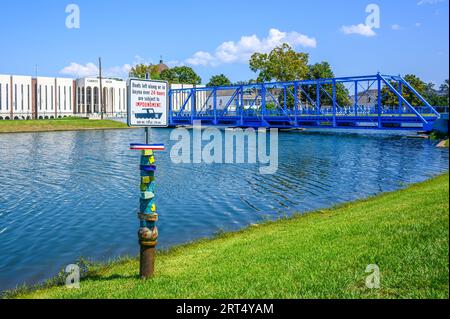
(72, 194)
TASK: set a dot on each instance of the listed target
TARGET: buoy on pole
(148, 107)
(148, 215)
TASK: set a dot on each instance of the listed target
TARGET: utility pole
(101, 87)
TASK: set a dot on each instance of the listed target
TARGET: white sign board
(148, 103)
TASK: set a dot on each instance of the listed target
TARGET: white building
(114, 97)
(54, 97)
(5, 97)
(180, 97)
(15, 97)
(24, 97)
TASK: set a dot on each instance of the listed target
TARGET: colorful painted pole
(148, 216)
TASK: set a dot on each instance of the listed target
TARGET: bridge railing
(290, 103)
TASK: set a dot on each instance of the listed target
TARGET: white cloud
(77, 70)
(418, 24)
(80, 71)
(90, 69)
(360, 29)
(118, 71)
(201, 58)
(396, 27)
(241, 51)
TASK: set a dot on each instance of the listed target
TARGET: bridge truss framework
(305, 104)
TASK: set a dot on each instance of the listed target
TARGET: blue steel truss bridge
(357, 102)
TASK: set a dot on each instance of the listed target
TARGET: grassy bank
(66, 124)
(319, 255)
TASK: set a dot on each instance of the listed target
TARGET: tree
(251, 81)
(140, 71)
(219, 80)
(443, 89)
(323, 71)
(319, 71)
(181, 74)
(443, 92)
(390, 99)
(170, 76)
(437, 97)
(281, 64)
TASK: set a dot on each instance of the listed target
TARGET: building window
(40, 97)
(15, 97)
(7, 96)
(59, 98)
(29, 99)
(1, 97)
(83, 94)
(65, 98)
(21, 95)
(70, 98)
(89, 100)
(46, 96)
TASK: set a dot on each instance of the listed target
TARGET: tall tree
(140, 71)
(219, 80)
(443, 92)
(181, 74)
(390, 99)
(281, 64)
(323, 71)
(437, 97)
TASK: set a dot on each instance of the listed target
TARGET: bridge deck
(312, 103)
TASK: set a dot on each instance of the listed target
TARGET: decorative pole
(148, 232)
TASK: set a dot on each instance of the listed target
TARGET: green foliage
(271, 106)
(444, 89)
(323, 71)
(64, 124)
(316, 255)
(281, 64)
(251, 81)
(437, 97)
(140, 71)
(437, 135)
(181, 74)
(390, 99)
(284, 64)
(219, 80)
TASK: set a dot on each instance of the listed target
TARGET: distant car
(149, 115)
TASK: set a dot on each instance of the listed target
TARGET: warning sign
(147, 103)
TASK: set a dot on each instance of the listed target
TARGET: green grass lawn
(65, 124)
(318, 255)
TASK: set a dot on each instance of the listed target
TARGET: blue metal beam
(297, 117)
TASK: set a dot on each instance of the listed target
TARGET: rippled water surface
(72, 194)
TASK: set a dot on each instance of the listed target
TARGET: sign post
(147, 107)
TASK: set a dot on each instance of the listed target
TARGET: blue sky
(218, 36)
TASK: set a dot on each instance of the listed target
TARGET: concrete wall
(54, 97)
(21, 92)
(5, 99)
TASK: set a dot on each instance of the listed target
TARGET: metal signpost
(147, 107)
